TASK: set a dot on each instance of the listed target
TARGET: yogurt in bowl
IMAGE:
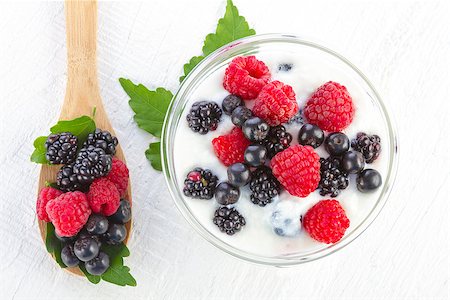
(273, 234)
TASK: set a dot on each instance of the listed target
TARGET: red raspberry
(298, 169)
(230, 148)
(45, 195)
(119, 175)
(103, 197)
(245, 77)
(330, 107)
(68, 213)
(276, 103)
(326, 221)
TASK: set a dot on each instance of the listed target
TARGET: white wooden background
(403, 47)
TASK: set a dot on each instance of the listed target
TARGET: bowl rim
(280, 261)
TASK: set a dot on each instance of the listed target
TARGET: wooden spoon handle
(82, 92)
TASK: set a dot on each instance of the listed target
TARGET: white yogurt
(309, 71)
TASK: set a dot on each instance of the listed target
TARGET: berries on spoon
(337, 143)
(310, 135)
(227, 193)
(255, 155)
(368, 180)
(238, 174)
(230, 103)
(86, 248)
(255, 129)
(116, 234)
(61, 148)
(352, 162)
(98, 265)
(96, 224)
(123, 213)
(68, 256)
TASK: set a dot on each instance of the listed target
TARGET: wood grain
(82, 91)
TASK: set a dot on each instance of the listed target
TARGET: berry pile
(88, 208)
(261, 160)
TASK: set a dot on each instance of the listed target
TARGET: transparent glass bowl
(176, 113)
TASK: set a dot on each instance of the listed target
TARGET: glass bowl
(221, 57)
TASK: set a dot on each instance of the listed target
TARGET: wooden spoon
(82, 91)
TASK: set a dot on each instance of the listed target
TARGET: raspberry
(119, 175)
(103, 197)
(298, 169)
(330, 107)
(230, 148)
(68, 213)
(326, 221)
(45, 195)
(245, 77)
(276, 103)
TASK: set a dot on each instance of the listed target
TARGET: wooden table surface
(403, 47)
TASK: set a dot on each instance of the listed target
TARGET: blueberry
(227, 193)
(310, 135)
(68, 256)
(285, 219)
(96, 224)
(255, 155)
(238, 174)
(65, 239)
(255, 129)
(230, 103)
(86, 248)
(368, 180)
(284, 67)
(337, 143)
(352, 162)
(123, 213)
(240, 115)
(116, 234)
(98, 265)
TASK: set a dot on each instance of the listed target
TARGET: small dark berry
(123, 213)
(255, 155)
(284, 67)
(310, 135)
(200, 187)
(61, 148)
(337, 143)
(332, 178)
(68, 256)
(86, 248)
(98, 265)
(277, 140)
(204, 116)
(230, 103)
(368, 145)
(229, 220)
(96, 224)
(240, 115)
(255, 129)
(352, 162)
(368, 180)
(264, 186)
(116, 234)
(102, 139)
(238, 174)
(227, 193)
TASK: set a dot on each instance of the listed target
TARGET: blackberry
(264, 186)
(204, 117)
(61, 148)
(102, 139)
(368, 145)
(297, 118)
(277, 140)
(229, 220)
(200, 184)
(67, 180)
(91, 163)
(332, 178)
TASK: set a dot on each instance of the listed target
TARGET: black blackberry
(297, 118)
(61, 148)
(368, 145)
(229, 220)
(91, 163)
(264, 186)
(102, 139)
(200, 184)
(277, 140)
(67, 180)
(332, 178)
(204, 117)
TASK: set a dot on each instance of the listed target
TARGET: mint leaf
(53, 245)
(153, 154)
(150, 107)
(38, 155)
(119, 274)
(80, 127)
(116, 250)
(92, 278)
(230, 28)
(191, 65)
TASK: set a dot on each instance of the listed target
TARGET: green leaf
(116, 250)
(153, 154)
(92, 278)
(230, 28)
(119, 274)
(150, 107)
(38, 155)
(80, 127)
(191, 65)
(53, 245)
